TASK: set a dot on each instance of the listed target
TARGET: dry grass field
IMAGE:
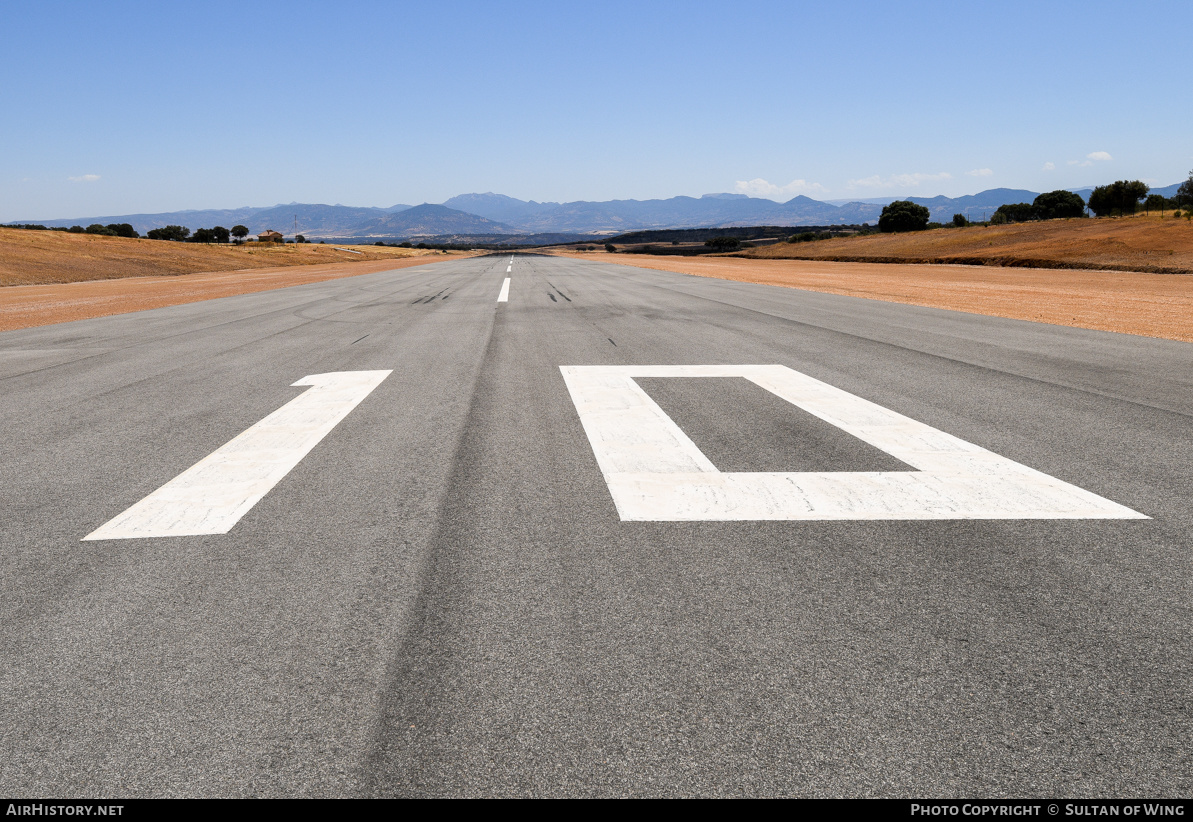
(1160, 245)
(41, 257)
(1151, 305)
(51, 276)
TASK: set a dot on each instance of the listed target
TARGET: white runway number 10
(653, 470)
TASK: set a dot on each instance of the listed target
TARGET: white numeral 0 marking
(656, 473)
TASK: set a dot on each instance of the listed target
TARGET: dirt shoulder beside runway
(25, 306)
(1150, 305)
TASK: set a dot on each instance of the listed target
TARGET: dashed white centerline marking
(656, 473)
(504, 296)
(212, 495)
(509, 268)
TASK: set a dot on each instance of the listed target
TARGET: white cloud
(761, 188)
(1049, 166)
(980, 172)
(86, 178)
(1091, 158)
(899, 180)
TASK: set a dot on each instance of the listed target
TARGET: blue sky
(123, 107)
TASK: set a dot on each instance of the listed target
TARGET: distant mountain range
(426, 220)
(1166, 191)
(317, 220)
(496, 215)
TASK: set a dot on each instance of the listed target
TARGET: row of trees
(173, 233)
(1119, 198)
(176, 233)
(1053, 205)
(181, 234)
(110, 230)
(1125, 196)
(904, 215)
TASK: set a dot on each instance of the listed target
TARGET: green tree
(1058, 204)
(959, 221)
(723, 243)
(1120, 197)
(103, 230)
(177, 233)
(1133, 192)
(240, 231)
(1155, 202)
(1017, 212)
(1101, 201)
(610, 247)
(123, 230)
(298, 238)
(1185, 192)
(903, 215)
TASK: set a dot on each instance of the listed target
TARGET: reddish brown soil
(1151, 305)
(34, 257)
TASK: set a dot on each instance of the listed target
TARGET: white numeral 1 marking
(656, 473)
(212, 495)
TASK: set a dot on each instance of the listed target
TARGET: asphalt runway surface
(441, 598)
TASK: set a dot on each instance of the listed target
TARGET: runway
(519, 525)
